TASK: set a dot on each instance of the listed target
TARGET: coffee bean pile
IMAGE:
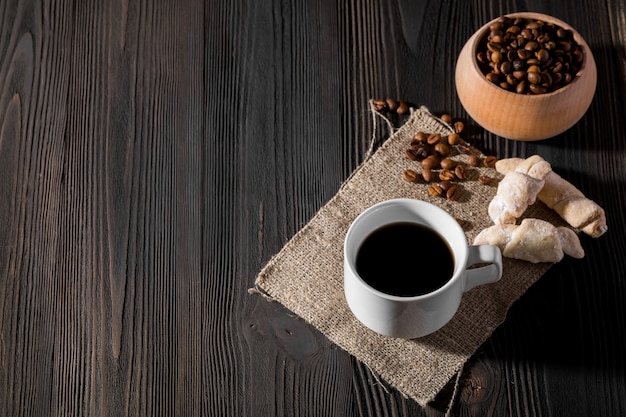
(433, 152)
(529, 56)
(392, 105)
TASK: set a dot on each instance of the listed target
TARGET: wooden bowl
(520, 116)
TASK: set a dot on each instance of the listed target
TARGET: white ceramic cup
(414, 316)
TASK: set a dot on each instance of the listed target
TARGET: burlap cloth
(306, 276)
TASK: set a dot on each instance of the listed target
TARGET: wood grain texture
(154, 155)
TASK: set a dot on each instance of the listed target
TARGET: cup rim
(460, 258)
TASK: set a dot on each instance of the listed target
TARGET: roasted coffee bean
(519, 75)
(446, 175)
(411, 155)
(493, 77)
(506, 67)
(511, 56)
(514, 29)
(526, 33)
(482, 57)
(419, 149)
(448, 163)
(380, 105)
(428, 175)
(490, 161)
(433, 139)
(511, 81)
(435, 190)
(497, 25)
(460, 172)
(534, 78)
(453, 193)
(546, 79)
(542, 55)
(567, 78)
(533, 61)
(531, 46)
(402, 108)
(443, 149)
(464, 148)
(473, 160)
(454, 139)
(557, 78)
(550, 45)
(484, 180)
(537, 89)
(409, 175)
(497, 38)
(459, 126)
(578, 56)
(420, 137)
(431, 162)
(391, 104)
(445, 185)
(523, 54)
(446, 118)
(422, 152)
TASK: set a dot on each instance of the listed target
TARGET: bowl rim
(481, 32)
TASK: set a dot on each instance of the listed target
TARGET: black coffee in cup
(405, 259)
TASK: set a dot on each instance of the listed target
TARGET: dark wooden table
(155, 155)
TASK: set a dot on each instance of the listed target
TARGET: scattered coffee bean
(448, 163)
(380, 105)
(420, 137)
(431, 162)
(443, 149)
(433, 139)
(411, 155)
(445, 185)
(473, 160)
(392, 104)
(490, 161)
(446, 175)
(453, 193)
(460, 172)
(436, 153)
(402, 108)
(409, 175)
(427, 174)
(435, 190)
(454, 139)
(422, 152)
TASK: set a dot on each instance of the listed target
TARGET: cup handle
(485, 274)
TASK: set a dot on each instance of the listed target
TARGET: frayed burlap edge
(306, 276)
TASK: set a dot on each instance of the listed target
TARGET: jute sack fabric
(306, 276)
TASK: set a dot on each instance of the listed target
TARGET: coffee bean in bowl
(526, 76)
